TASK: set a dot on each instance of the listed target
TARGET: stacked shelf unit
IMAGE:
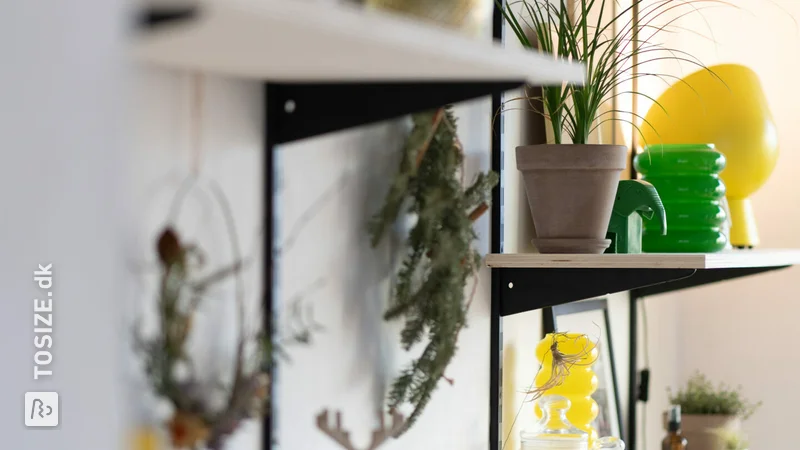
(328, 68)
(526, 282)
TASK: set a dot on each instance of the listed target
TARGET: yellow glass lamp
(726, 108)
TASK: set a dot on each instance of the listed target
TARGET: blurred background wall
(328, 187)
(84, 193)
(64, 202)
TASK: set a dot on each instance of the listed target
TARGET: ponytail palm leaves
(603, 36)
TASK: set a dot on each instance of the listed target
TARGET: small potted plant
(466, 15)
(711, 416)
(571, 184)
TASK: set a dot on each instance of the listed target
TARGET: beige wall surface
(740, 332)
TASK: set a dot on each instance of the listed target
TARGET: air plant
(612, 47)
(563, 362)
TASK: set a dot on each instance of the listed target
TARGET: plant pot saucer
(573, 246)
(571, 191)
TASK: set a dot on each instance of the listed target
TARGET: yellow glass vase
(581, 381)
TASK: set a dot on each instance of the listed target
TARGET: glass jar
(554, 431)
(581, 382)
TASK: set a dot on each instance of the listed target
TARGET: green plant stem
(610, 59)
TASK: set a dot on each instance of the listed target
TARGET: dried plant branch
(195, 421)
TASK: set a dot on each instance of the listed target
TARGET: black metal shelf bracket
(312, 109)
(702, 277)
(270, 217)
(151, 18)
(529, 289)
(303, 110)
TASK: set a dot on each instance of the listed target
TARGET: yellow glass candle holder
(576, 353)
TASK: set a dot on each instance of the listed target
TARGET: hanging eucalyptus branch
(429, 294)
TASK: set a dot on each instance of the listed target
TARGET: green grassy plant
(700, 396)
(612, 47)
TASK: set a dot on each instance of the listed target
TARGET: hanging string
(195, 146)
(198, 98)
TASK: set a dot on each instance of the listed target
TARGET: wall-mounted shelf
(334, 67)
(722, 260)
(304, 41)
(533, 281)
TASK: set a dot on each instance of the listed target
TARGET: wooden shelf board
(305, 41)
(723, 260)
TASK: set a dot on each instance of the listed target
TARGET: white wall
(341, 178)
(229, 155)
(328, 187)
(354, 358)
(63, 202)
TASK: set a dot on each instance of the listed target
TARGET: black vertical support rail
(633, 372)
(549, 323)
(495, 341)
(270, 118)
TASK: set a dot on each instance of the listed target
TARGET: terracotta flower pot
(571, 191)
(701, 433)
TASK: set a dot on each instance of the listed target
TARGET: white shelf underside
(303, 41)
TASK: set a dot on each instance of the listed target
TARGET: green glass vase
(687, 179)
